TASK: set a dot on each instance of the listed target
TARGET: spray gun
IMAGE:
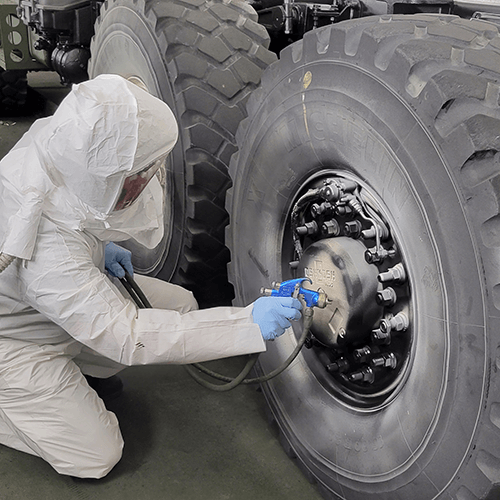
(293, 288)
(290, 288)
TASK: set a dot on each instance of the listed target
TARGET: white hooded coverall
(60, 314)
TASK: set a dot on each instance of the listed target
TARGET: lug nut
(397, 323)
(364, 375)
(343, 210)
(386, 297)
(307, 228)
(324, 209)
(341, 365)
(386, 360)
(353, 228)
(381, 338)
(397, 274)
(330, 228)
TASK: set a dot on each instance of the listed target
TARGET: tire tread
(447, 70)
(215, 52)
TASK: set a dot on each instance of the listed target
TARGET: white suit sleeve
(64, 284)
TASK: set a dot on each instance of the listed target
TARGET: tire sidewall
(129, 47)
(342, 118)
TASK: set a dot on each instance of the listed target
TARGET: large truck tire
(203, 58)
(391, 121)
(13, 90)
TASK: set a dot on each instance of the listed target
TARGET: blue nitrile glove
(117, 260)
(272, 314)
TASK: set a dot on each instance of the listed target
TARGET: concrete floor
(182, 442)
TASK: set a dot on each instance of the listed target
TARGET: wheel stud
(341, 365)
(361, 355)
(386, 360)
(386, 297)
(381, 338)
(396, 274)
(366, 374)
(307, 228)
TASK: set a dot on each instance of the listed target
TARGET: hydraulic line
(135, 292)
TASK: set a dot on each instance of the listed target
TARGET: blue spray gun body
(293, 288)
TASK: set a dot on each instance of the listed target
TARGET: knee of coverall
(165, 295)
(96, 466)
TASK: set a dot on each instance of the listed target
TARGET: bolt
(371, 256)
(315, 210)
(330, 228)
(307, 228)
(397, 274)
(375, 256)
(361, 354)
(353, 228)
(364, 375)
(386, 360)
(330, 192)
(342, 333)
(341, 365)
(386, 297)
(294, 264)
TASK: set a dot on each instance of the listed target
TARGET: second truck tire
(203, 59)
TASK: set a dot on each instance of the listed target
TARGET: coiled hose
(143, 303)
(241, 378)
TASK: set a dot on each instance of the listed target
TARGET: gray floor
(182, 442)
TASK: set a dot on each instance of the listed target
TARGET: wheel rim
(340, 237)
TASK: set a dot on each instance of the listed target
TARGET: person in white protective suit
(75, 182)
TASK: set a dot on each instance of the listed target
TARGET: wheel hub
(344, 244)
(338, 266)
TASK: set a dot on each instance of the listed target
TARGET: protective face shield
(133, 185)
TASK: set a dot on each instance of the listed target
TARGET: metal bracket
(15, 40)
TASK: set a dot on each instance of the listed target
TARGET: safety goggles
(134, 184)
